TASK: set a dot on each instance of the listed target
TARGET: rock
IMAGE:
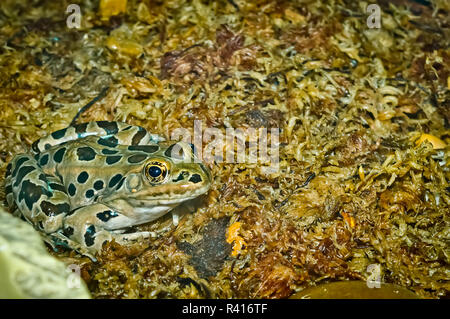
(354, 290)
(27, 270)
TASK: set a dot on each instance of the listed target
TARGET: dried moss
(350, 103)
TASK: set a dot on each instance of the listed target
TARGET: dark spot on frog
(18, 164)
(68, 231)
(31, 193)
(51, 209)
(107, 215)
(107, 151)
(81, 128)
(195, 179)
(83, 177)
(43, 160)
(120, 183)
(59, 134)
(23, 171)
(43, 178)
(57, 187)
(136, 158)
(114, 180)
(109, 141)
(138, 136)
(89, 193)
(113, 159)
(8, 189)
(36, 157)
(8, 170)
(144, 148)
(109, 127)
(209, 253)
(59, 154)
(47, 146)
(85, 154)
(35, 146)
(89, 236)
(72, 189)
(181, 176)
(98, 185)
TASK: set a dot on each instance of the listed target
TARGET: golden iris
(156, 172)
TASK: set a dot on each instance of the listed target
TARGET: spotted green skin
(87, 184)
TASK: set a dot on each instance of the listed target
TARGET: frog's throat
(151, 206)
(167, 195)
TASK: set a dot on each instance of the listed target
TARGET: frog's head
(166, 178)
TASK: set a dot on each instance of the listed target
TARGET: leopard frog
(89, 183)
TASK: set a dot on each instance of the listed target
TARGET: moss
(350, 103)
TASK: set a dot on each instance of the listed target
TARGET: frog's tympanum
(89, 183)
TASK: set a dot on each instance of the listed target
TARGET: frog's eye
(156, 172)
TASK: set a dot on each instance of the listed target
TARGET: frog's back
(82, 184)
(34, 185)
(93, 166)
(114, 133)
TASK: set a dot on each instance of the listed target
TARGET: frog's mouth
(146, 210)
(166, 197)
(163, 201)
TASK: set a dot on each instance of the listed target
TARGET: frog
(91, 183)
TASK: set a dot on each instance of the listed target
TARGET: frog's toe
(102, 236)
(175, 217)
(56, 240)
(127, 238)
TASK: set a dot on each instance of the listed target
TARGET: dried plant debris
(209, 253)
(363, 116)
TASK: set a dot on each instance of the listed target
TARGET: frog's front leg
(40, 198)
(96, 224)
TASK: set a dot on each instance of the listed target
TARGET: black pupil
(154, 171)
